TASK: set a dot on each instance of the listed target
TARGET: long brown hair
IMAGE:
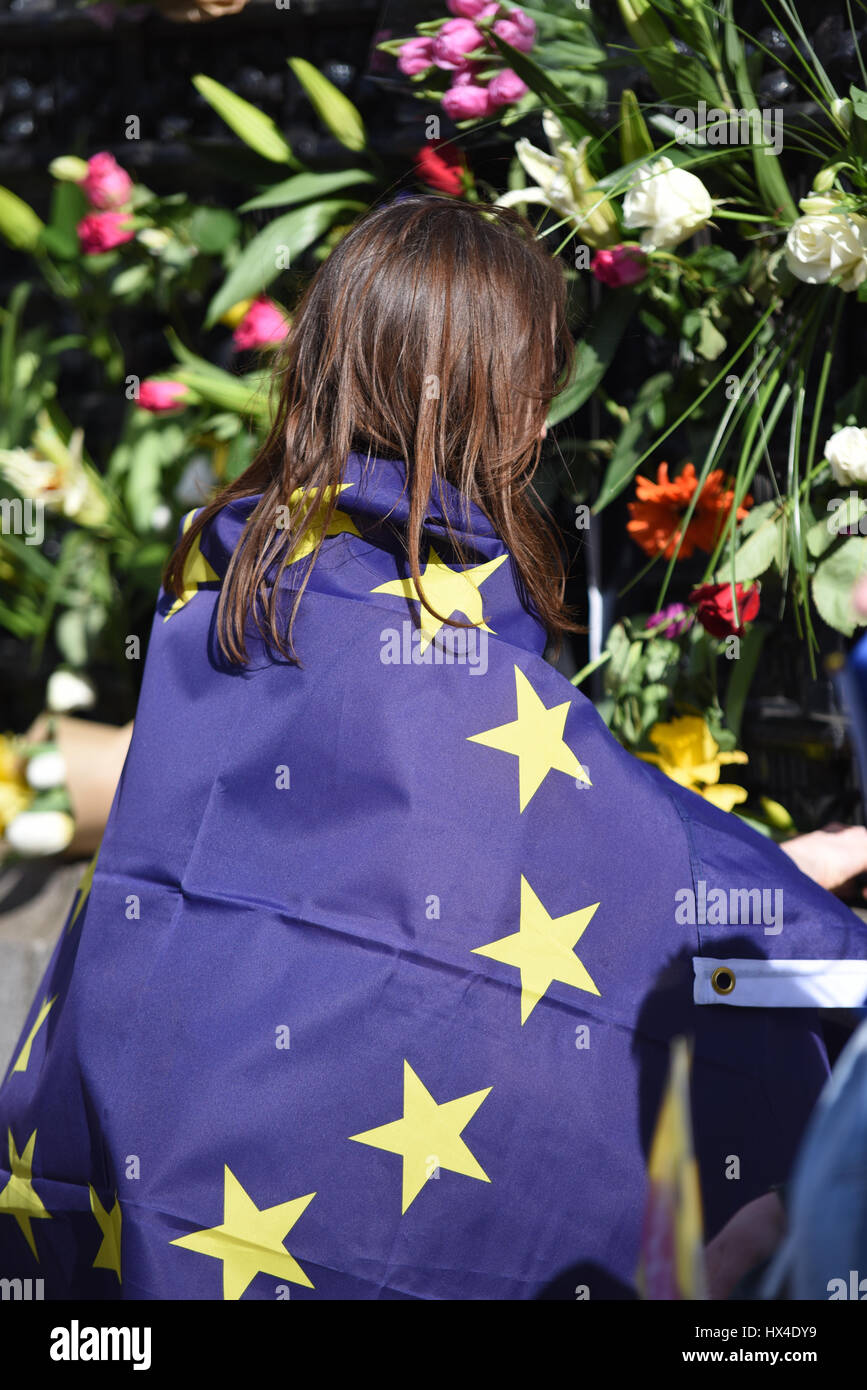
(435, 332)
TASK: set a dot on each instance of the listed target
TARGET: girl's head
(435, 332)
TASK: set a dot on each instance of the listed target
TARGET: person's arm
(833, 856)
(746, 1241)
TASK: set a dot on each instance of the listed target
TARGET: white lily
(563, 182)
(54, 472)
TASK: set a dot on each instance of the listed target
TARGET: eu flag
(370, 990)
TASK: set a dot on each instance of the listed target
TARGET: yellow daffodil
(690, 755)
(15, 794)
(233, 316)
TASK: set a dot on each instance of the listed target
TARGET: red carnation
(441, 165)
(715, 609)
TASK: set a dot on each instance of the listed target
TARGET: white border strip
(781, 984)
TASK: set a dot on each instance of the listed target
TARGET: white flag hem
(781, 984)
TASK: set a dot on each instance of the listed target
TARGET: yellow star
(84, 888)
(448, 591)
(337, 522)
(23, 1059)
(428, 1136)
(535, 738)
(196, 571)
(250, 1241)
(18, 1198)
(543, 950)
(108, 1254)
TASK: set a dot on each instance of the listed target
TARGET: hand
(746, 1241)
(833, 856)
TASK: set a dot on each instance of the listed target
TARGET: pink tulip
(106, 184)
(506, 87)
(619, 266)
(465, 101)
(263, 325)
(415, 56)
(467, 75)
(158, 396)
(519, 30)
(102, 231)
(472, 9)
(456, 38)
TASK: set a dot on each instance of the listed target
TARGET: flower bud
(841, 110)
(68, 168)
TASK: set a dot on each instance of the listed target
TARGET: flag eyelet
(722, 980)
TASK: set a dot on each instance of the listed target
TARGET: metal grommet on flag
(722, 980)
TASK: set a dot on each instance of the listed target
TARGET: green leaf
(594, 353)
(272, 251)
(711, 342)
(249, 123)
(19, 224)
(334, 109)
(132, 278)
(834, 580)
(769, 175)
(68, 206)
(679, 78)
(758, 552)
(213, 229)
(845, 514)
(742, 674)
(623, 461)
(226, 392)
(308, 185)
(635, 141)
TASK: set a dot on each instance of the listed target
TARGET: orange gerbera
(657, 515)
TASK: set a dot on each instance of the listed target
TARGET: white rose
(846, 451)
(34, 833)
(68, 691)
(46, 770)
(671, 203)
(821, 246)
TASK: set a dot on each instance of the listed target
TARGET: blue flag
(370, 990)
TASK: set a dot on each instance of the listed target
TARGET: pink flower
(415, 55)
(263, 324)
(161, 395)
(106, 184)
(472, 9)
(467, 75)
(672, 620)
(456, 38)
(619, 266)
(102, 231)
(519, 30)
(465, 101)
(505, 88)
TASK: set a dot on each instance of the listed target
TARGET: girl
(370, 991)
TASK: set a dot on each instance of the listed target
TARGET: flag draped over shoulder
(370, 990)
